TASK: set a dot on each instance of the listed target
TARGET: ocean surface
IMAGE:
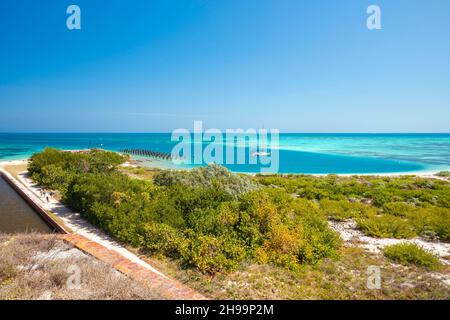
(297, 153)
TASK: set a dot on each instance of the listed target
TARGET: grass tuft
(409, 253)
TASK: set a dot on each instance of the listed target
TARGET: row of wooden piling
(148, 153)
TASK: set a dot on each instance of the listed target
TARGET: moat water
(16, 216)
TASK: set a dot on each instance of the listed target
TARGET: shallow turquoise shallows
(298, 153)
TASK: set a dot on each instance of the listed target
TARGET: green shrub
(55, 169)
(206, 177)
(432, 222)
(318, 240)
(211, 254)
(409, 253)
(159, 238)
(399, 209)
(292, 238)
(386, 226)
(344, 209)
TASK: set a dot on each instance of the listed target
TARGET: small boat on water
(260, 154)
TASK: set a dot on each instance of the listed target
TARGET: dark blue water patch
(318, 163)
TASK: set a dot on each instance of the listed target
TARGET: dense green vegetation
(205, 177)
(213, 220)
(208, 218)
(55, 169)
(410, 253)
(399, 207)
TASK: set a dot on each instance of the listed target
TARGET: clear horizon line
(169, 132)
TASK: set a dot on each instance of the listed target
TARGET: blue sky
(151, 66)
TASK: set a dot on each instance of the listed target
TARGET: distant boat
(260, 154)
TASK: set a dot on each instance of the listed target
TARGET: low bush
(432, 222)
(55, 169)
(399, 209)
(159, 238)
(379, 190)
(344, 209)
(205, 177)
(386, 226)
(210, 254)
(410, 253)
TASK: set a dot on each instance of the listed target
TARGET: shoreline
(432, 174)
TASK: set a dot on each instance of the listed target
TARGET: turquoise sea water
(298, 153)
